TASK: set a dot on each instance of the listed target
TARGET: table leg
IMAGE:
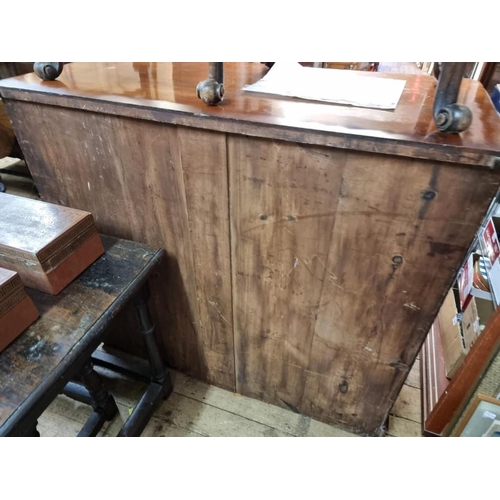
(158, 372)
(33, 432)
(103, 402)
(160, 386)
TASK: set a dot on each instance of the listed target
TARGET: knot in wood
(343, 386)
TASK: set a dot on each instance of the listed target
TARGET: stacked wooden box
(44, 247)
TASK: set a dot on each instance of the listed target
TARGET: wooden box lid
(38, 228)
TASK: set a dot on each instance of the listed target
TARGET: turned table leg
(103, 402)
(160, 386)
(147, 329)
(33, 432)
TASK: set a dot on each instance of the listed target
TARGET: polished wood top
(167, 92)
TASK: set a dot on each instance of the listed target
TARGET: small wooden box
(48, 245)
(17, 310)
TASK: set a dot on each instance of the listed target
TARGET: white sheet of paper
(336, 86)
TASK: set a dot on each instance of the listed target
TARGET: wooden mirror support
(449, 116)
(211, 91)
(48, 70)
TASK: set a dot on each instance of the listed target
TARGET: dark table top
(70, 321)
(166, 92)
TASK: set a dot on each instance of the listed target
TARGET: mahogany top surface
(172, 87)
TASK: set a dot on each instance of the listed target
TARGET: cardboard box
(490, 247)
(485, 310)
(451, 335)
(470, 325)
(474, 320)
(465, 282)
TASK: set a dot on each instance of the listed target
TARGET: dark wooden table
(57, 353)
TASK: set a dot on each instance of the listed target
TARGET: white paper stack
(330, 85)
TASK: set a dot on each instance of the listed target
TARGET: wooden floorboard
(208, 420)
(408, 404)
(257, 411)
(402, 427)
(413, 379)
(196, 409)
(53, 424)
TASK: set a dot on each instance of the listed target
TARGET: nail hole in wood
(397, 260)
(428, 194)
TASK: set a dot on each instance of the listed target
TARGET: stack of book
(42, 246)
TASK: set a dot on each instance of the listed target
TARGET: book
(480, 279)
(17, 310)
(48, 245)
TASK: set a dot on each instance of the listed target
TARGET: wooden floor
(17, 184)
(196, 409)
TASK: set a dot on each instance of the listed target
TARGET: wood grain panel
(379, 242)
(7, 137)
(129, 174)
(400, 234)
(204, 163)
(284, 199)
